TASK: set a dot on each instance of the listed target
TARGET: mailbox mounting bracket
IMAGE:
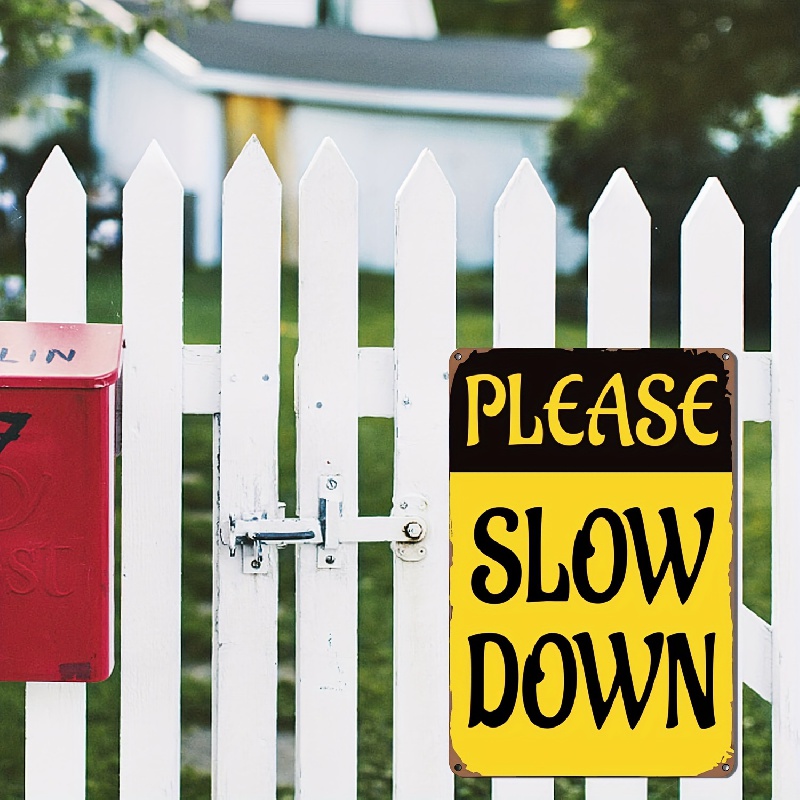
(405, 528)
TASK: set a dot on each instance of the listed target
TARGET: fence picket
(55, 244)
(424, 338)
(327, 436)
(246, 614)
(712, 314)
(524, 263)
(55, 714)
(524, 316)
(618, 315)
(618, 310)
(785, 502)
(152, 282)
(712, 277)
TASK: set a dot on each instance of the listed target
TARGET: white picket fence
(336, 383)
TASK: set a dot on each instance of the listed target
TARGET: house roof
(482, 76)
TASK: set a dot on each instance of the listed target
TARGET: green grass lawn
(375, 475)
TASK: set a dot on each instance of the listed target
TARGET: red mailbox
(57, 500)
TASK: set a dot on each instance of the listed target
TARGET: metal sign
(592, 577)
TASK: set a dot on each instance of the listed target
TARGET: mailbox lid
(60, 355)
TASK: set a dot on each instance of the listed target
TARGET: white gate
(336, 382)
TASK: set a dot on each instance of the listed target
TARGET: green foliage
(195, 784)
(32, 31)
(678, 63)
(501, 17)
(670, 81)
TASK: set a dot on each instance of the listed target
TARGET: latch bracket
(331, 497)
(405, 529)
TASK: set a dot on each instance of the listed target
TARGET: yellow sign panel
(592, 580)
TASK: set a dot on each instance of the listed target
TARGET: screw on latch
(413, 530)
(331, 484)
(255, 564)
(330, 559)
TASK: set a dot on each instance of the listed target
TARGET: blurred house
(479, 104)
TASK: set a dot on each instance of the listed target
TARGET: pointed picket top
(155, 171)
(786, 250)
(789, 223)
(425, 232)
(712, 206)
(252, 167)
(152, 246)
(524, 262)
(618, 310)
(712, 271)
(251, 238)
(152, 189)
(786, 277)
(425, 224)
(525, 190)
(328, 214)
(56, 180)
(620, 201)
(251, 248)
(328, 239)
(424, 180)
(328, 166)
(56, 244)
(425, 219)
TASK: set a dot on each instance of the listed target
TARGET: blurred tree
(32, 31)
(498, 17)
(674, 96)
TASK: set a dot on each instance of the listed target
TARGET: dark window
(79, 87)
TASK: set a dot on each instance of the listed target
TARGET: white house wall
(477, 156)
(410, 18)
(302, 13)
(136, 104)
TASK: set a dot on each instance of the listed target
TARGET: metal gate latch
(405, 529)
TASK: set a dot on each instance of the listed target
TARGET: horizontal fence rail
(337, 382)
